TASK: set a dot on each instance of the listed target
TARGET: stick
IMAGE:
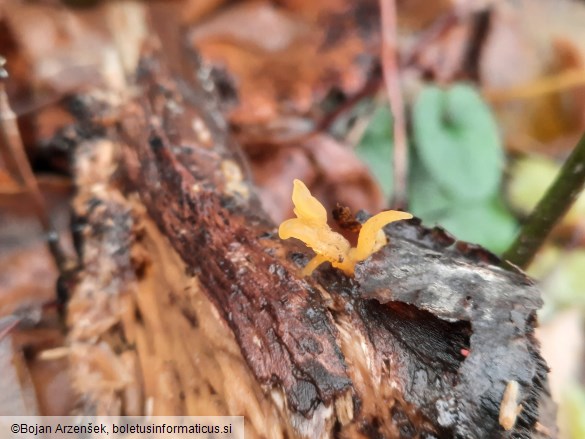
(392, 80)
(551, 208)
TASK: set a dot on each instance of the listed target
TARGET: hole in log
(432, 340)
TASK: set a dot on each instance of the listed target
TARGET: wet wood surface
(189, 303)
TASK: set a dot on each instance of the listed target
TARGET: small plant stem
(551, 208)
(392, 81)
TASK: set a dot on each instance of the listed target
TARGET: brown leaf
(274, 173)
(28, 273)
(312, 49)
(532, 72)
(345, 179)
(331, 170)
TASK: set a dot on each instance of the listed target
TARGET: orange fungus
(310, 226)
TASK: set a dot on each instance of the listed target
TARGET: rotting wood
(188, 303)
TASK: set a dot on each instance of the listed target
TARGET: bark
(188, 303)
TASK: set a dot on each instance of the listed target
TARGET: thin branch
(551, 208)
(17, 162)
(536, 89)
(392, 80)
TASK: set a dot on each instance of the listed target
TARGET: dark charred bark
(420, 343)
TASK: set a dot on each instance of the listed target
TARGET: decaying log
(188, 303)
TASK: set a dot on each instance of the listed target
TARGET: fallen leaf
(318, 49)
(28, 274)
(330, 169)
(532, 71)
(344, 179)
(273, 174)
(443, 58)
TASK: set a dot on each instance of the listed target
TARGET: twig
(17, 162)
(551, 208)
(552, 84)
(431, 33)
(370, 89)
(392, 80)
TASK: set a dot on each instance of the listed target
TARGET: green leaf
(425, 197)
(375, 149)
(487, 223)
(458, 142)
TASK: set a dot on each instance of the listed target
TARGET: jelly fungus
(310, 226)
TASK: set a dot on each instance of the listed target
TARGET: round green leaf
(458, 142)
(425, 197)
(488, 224)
